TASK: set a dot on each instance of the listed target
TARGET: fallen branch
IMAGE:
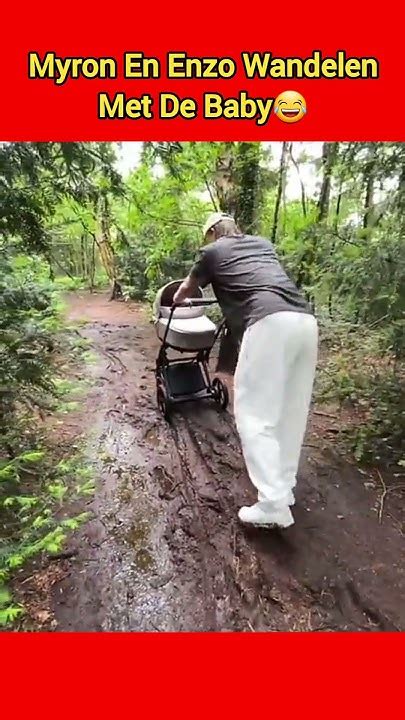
(207, 185)
(186, 223)
(392, 488)
(61, 267)
(376, 322)
(325, 414)
(64, 555)
(174, 487)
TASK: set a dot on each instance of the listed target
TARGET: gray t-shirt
(248, 280)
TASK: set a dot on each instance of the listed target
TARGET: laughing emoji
(290, 106)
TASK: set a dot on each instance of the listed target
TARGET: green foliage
(160, 225)
(32, 495)
(42, 185)
(28, 318)
(8, 611)
(249, 180)
(48, 192)
(34, 177)
(381, 438)
(370, 384)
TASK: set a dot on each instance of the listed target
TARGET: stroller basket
(184, 328)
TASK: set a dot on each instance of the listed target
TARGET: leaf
(53, 547)
(9, 614)
(71, 524)
(58, 491)
(32, 457)
(40, 521)
(26, 502)
(15, 561)
(8, 472)
(84, 472)
(87, 488)
(5, 596)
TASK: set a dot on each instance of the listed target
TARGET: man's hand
(187, 289)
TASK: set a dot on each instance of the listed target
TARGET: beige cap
(213, 219)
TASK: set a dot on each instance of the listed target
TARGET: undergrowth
(36, 491)
(38, 483)
(358, 371)
(34, 494)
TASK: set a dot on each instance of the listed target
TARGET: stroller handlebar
(195, 302)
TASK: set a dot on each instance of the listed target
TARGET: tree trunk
(303, 194)
(307, 266)
(370, 182)
(83, 257)
(336, 228)
(225, 185)
(51, 270)
(116, 292)
(249, 190)
(338, 205)
(281, 187)
(103, 240)
(92, 264)
(238, 189)
(329, 155)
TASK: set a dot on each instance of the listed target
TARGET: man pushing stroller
(277, 359)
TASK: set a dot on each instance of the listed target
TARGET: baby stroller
(185, 329)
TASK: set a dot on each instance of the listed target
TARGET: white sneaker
(290, 498)
(265, 515)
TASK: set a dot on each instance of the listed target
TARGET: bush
(28, 318)
(32, 490)
(145, 269)
(357, 371)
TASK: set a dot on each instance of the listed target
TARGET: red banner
(185, 676)
(282, 72)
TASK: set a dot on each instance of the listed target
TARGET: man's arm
(199, 277)
(187, 289)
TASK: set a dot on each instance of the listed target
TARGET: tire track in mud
(248, 600)
(199, 531)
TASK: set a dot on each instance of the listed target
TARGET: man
(277, 360)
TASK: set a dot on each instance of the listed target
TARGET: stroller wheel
(221, 395)
(163, 402)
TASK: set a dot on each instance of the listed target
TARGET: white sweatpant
(272, 394)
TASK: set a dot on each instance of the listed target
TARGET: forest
(74, 227)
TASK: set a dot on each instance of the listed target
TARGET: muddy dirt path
(164, 550)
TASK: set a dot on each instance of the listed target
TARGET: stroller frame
(182, 380)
